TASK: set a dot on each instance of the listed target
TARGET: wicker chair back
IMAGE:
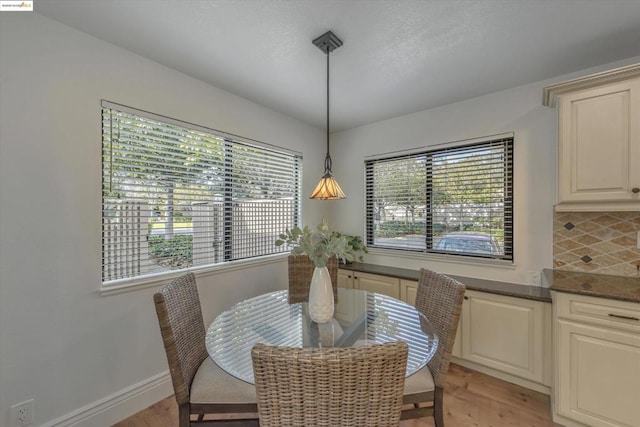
(300, 272)
(183, 334)
(351, 386)
(439, 298)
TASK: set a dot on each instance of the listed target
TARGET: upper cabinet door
(598, 140)
(599, 148)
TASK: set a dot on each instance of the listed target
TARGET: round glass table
(360, 318)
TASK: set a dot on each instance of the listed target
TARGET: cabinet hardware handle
(635, 190)
(624, 317)
(466, 297)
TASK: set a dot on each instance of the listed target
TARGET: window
(177, 195)
(456, 200)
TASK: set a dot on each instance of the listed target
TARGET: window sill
(453, 259)
(155, 280)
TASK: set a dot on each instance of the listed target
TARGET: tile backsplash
(597, 242)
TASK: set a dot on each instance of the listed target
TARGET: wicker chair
(200, 386)
(300, 271)
(349, 386)
(439, 298)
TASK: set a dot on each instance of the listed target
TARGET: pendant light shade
(328, 188)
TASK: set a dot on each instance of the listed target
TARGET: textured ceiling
(398, 57)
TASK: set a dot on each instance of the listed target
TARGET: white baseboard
(541, 388)
(112, 409)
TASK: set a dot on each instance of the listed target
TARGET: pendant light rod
(327, 158)
(328, 42)
(328, 188)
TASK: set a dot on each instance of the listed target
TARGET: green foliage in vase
(357, 246)
(319, 244)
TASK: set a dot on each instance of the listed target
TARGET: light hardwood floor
(471, 399)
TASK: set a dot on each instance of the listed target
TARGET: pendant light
(327, 188)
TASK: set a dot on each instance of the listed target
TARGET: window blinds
(455, 200)
(176, 195)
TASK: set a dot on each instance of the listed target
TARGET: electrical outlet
(22, 414)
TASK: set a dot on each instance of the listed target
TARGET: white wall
(63, 344)
(517, 110)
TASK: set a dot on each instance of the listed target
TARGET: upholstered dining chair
(300, 272)
(200, 386)
(331, 386)
(439, 298)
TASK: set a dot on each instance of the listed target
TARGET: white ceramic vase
(321, 296)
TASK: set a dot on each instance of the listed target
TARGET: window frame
(293, 215)
(429, 250)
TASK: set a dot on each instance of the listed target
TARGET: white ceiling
(398, 57)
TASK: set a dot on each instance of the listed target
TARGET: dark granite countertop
(483, 285)
(595, 285)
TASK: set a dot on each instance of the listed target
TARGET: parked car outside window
(470, 243)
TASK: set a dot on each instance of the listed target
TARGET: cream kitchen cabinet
(507, 334)
(597, 373)
(504, 336)
(345, 278)
(385, 285)
(598, 141)
(408, 292)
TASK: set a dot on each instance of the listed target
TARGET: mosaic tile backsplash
(597, 242)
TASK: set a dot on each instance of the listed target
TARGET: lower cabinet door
(408, 291)
(504, 333)
(345, 278)
(457, 344)
(385, 285)
(598, 375)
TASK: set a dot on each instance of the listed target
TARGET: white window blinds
(456, 200)
(177, 195)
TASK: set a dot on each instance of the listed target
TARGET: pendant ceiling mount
(328, 42)
(327, 188)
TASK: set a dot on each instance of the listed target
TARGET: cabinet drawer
(599, 311)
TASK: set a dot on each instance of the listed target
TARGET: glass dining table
(360, 318)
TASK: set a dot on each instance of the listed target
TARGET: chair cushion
(211, 384)
(419, 382)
